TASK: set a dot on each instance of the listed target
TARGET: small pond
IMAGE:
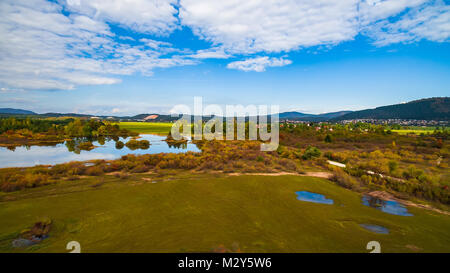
(391, 207)
(375, 228)
(60, 153)
(313, 197)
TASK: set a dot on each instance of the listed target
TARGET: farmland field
(186, 212)
(413, 131)
(161, 128)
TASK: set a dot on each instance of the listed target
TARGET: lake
(49, 155)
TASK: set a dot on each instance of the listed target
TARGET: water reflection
(104, 148)
(391, 207)
(177, 145)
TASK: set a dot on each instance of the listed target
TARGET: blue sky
(108, 57)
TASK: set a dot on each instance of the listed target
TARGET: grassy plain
(186, 212)
(160, 128)
(413, 131)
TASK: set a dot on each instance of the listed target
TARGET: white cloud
(211, 53)
(154, 43)
(254, 26)
(373, 10)
(258, 64)
(44, 48)
(270, 25)
(431, 22)
(145, 16)
(41, 48)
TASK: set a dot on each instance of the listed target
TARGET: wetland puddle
(313, 197)
(391, 207)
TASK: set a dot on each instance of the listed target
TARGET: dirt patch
(325, 175)
(113, 173)
(263, 174)
(413, 248)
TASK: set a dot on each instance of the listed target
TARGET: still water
(313, 197)
(50, 155)
(391, 207)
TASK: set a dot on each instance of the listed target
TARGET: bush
(311, 152)
(119, 144)
(393, 165)
(343, 179)
(144, 144)
(134, 144)
(140, 169)
(86, 146)
(94, 171)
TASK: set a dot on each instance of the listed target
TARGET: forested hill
(424, 109)
(16, 111)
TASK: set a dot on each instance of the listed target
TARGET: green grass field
(197, 213)
(413, 131)
(161, 128)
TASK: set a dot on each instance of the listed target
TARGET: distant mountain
(424, 109)
(153, 117)
(57, 115)
(334, 114)
(311, 117)
(293, 115)
(16, 111)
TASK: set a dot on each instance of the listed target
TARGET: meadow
(160, 128)
(413, 131)
(187, 212)
(233, 197)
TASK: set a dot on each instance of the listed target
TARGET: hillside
(424, 109)
(311, 117)
(16, 111)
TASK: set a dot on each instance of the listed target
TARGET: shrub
(344, 180)
(311, 152)
(132, 144)
(119, 144)
(94, 171)
(140, 169)
(86, 146)
(393, 165)
(144, 144)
